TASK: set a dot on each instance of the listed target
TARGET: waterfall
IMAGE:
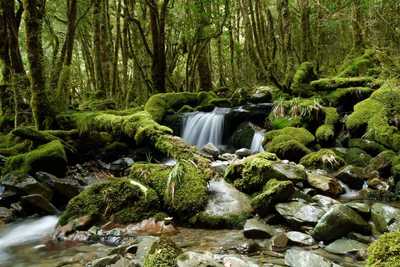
(201, 128)
(256, 143)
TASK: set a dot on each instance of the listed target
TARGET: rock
(39, 203)
(256, 229)
(378, 184)
(26, 184)
(357, 157)
(361, 208)
(197, 259)
(274, 192)
(243, 152)
(353, 176)
(236, 261)
(295, 257)
(82, 223)
(345, 246)
(339, 221)
(243, 135)
(211, 150)
(163, 252)
(6, 215)
(324, 201)
(384, 215)
(121, 164)
(300, 238)
(143, 248)
(325, 184)
(288, 171)
(300, 212)
(7, 197)
(220, 166)
(279, 241)
(104, 262)
(228, 157)
(382, 163)
(325, 159)
(261, 96)
(226, 205)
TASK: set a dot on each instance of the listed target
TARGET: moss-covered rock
(301, 81)
(325, 133)
(299, 134)
(274, 192)
(243, 136)
(331, 84)
(383, 163)
(385, 252)
(371, 147)
(346, 98)
(366, 64)
(325, 159)
(357, 157)
(280, 123)
(121, 200)
(163, 253)
(50, 158)
(182, 188)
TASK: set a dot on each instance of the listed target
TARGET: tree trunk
(358, 39)
(306, 42)
(43, 113)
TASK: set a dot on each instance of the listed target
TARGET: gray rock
(243, 152)
(144, 247)
(300, 238)
(104, 262)
(26, 184)
(300, 212)
(288, 171)
(339, 221)
(211, 150)
(256, 229)
(228, 157)
(295, 257)
(39, 203)
(220, 166)
(197, 259)
(279, 241)
(121, 164)
(384, 215)
(324, 183)
(64, 188)
(324, 201)
(236, 261)
(345, 246)
(6, 215)
(361, 208)
(353, 176)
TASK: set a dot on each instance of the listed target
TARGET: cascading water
(257, 142)
(201, 128)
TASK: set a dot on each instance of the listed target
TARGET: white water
(351, 193)
(201, 128)
(257, 142)
(25, 232)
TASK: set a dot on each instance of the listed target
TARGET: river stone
(144, 247)
(279, 241)
(6, 215)
(39, 203)
(300, 212)
(235, 261)
(211, 150)
(225, 200)
(295, 257)
(243, 152)
(197, 259)
(256, 229)
(384, 215)
(220, 166)
(339, 221)
(65, 188)
(324, 183)
(121, 164)
(27, 184)
(300, 238)
(104, 262)
(360, 207)
(345, 246)
(353, 176)
(324, 201)
(288, 171)
(228, 157)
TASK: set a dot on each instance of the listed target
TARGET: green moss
(15, 149)
(280, 123)
(274, 192)
(359, 66)
(371, 147)
(299, 134)
(357, 157)
(301, 81)
(325, 134)
(163, 253)
(182, 189)
(122, 200)
(324, 159)
(331, 115)
(357, 122)
(385, 252)
(331, 84)
(243, 136)
(286, 148)
(97, 104)
(233, 221)
(348, 97)
(50, 157)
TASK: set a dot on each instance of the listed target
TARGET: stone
(236, 261)
(300, 212)
(243, 152)
(384, 215)
(324, 201)
(353, 176)
(360, 207)
(256, 229)
(65, 188)
(39, 203)
(325, 184)
(288, 171)
(197, 259)
(26, 184)
(104, 262)
(6, 215)
(220, 166)
(261, 96)
(300, 238)
(121, 164)
(295, 257)
(211, 150)
(144, 247)
(339, 221)
(228, 157)
(378, 184)
(279, 241)
(345, 246)
(7, 197)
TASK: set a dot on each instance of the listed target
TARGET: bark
(358, 38)
(306, 49)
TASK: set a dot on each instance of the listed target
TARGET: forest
(221, 133)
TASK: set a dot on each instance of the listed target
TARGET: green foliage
(301, 81)
(385, 252)
(280, 123)
(122, 200)
(323, 159)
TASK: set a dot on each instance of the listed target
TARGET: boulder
(300, 238)
(243, 152)
(6, 215)
(384, 215)
(325, 159)
(324, 183)
(256, 229)
(39, 204)
(339, 221)
(382, 163)
(197, 259)
(325, 202)
(300, 212)
(243, 135)
(25, 184)
(211, 149)
(121, 164)
(295, 257)
(353, 176)
(346, 246)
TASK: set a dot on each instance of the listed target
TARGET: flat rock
(289, 171)
(39, 203)
(384, 215)
(300, 238)
(324, 183)
(300, 212)
(295, 257)
(353, 176)
(256, 229)
(243, 152)
(211, 150)
(345, 246)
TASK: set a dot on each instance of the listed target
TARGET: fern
(174, 179)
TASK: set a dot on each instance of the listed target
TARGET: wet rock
(300, 212)
(81, 223)
(151, 227)
(339, 221)
(26, 184)
(382, 163)
(39, 203)
(104, 262)
(243, 152)
(300, 238)
(261, 96)
(360, 207)
(236, 261)
(249, 247)
(144, 247)
(295, 257)
(243, 135)
(220, 166)
(288, 171)
(325, 184)
(228, 157)
(384, 215)
(256, 229)
(121, 164)
(65, 188)
(324, 201)
(345, 246)
(378, 184)
(353, 176)
(211, 150)
(197, 259)
(279, 241)
(7, 197)
(6, 215)
(274, 192)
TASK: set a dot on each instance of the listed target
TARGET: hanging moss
(121, 200)
(301, 81)
(50, 157)
(385, 252)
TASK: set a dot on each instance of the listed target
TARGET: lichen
(385, 252)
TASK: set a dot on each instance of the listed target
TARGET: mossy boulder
(331, 84)
(385, 252)
(305, 73)
(274, 192)
(325, 159)
(357, 157)
(182, 189)
(243, 136)
(346, 98)
(299, 134)
(371, 147)
(365, 65)
(163, 253)
(325, 133)
(383, 163)
(119, 200)
(283, 122)
(49, 157)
